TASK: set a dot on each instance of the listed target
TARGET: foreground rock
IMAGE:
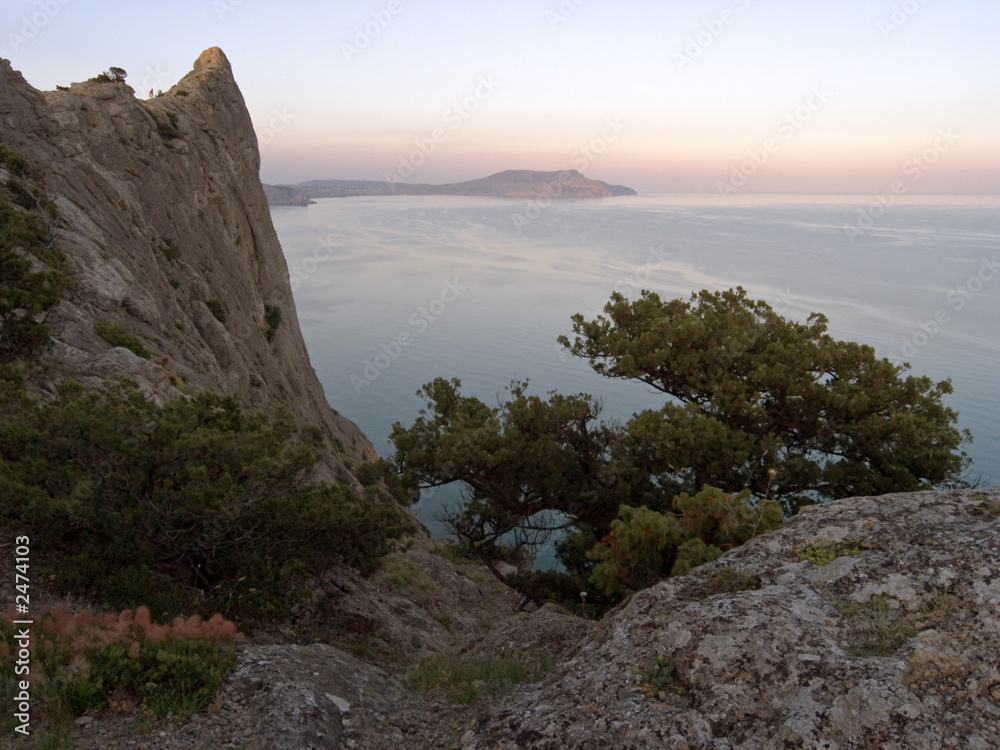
(864, 623)
(893, 643)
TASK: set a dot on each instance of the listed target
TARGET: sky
(672, 96)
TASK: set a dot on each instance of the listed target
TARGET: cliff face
(164, 224)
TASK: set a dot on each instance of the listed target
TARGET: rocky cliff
(163, 222)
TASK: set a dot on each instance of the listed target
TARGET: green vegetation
(168, 249)
(190, 506)
(116, 335)
(82, 662)
(757, 392)
(644, 546)
(111, 75)
(727, 581)
(32, 280)
(468, 680)
(764, 415)
(218, 308)
(13, 162)
(882, 632)
(167, 130)
(825, 554)
(658, 677)
(272, 316)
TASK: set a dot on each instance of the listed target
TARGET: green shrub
(658, 677)
(727, 580)
(825, 554)
(167, 130)
(24, 293)
(218, 308)
(168, 249)
(878, 631)
(116, 335)
(272, 316)
(193, 505)
(645, 546)
(111, 75)
(21, 197)
(16, 164)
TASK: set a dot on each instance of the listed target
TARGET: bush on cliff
(195, 505)
(27, 288)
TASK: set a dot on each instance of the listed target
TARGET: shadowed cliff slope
(166, 231)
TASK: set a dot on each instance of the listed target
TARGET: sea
(394, 291)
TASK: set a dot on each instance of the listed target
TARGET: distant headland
(512, 183)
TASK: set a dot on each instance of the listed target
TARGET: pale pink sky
(776, 95)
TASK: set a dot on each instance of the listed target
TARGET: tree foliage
(645, 546)
(769, 404)
(761, 410)
(111, 75)
(193, 504)
(526, 455)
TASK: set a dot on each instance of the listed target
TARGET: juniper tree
(759, 407)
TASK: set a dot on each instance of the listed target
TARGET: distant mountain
(512, 183)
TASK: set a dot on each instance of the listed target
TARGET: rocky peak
(166, 232)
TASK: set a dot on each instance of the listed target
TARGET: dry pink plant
(85, 631)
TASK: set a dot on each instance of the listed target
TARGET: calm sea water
(392, 292)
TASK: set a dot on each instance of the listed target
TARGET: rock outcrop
(163, 222)
(872, 622)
